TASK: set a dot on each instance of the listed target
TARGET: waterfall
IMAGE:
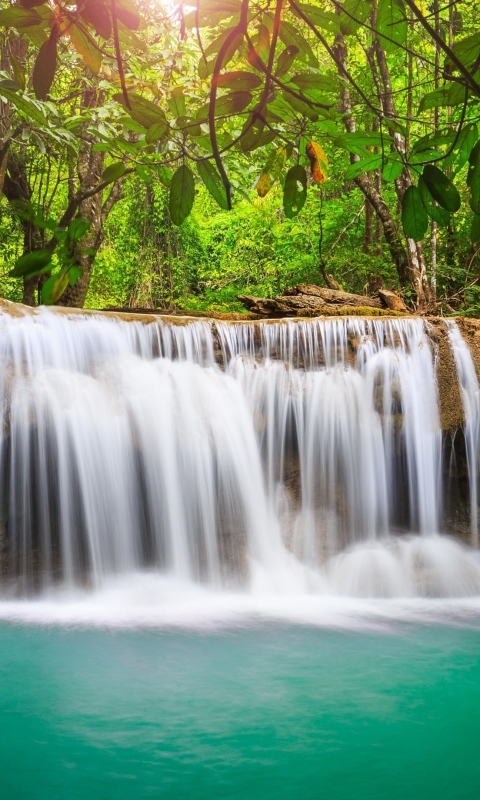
(293, 454)
(470, 392)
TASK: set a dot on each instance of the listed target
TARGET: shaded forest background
(321, 126)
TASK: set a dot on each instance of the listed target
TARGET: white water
(131, 458)
(470, 392)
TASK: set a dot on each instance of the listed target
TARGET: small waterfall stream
(292, 456)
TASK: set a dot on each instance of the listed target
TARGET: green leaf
(55, 286)
(364, 165)
(467, 50)
(356, 142)
(441, 188)
(6, 83)
(392, 168)
(143, 173)
(300, 106)
(155, 132)
(466, 142)
(129, 40)
(142, 110)
(414, 214)
(45, 66)
(475, 229)
(294, 191)
(74, 274)
(307, 81)
(360, 10)
(27, 107)
(182, 194)
(113, 172)
(243, 81)
(233, 103)
(77, 228)
(214, 47)
(176, 102)
(18, 17)
(33, 263)
(164, 174)
(86, 47)
(19, 72)
(436, 212)
(325, 20)
(251, 134)
(286, 59)
(290, 34)
(473, 178)
(392, 22)
(213, 182)
(436, 99)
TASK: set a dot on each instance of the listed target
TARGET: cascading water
(470, 392)
(279, 457)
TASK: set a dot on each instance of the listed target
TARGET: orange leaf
(271, 171)
(318, 162)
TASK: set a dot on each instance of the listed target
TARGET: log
(338, 297)
(391, 300)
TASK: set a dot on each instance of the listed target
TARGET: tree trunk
(416, 258)
(392, 235)
(368, 236)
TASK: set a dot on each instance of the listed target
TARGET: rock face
(308, 300)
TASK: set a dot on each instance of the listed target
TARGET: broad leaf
(294, 191)
(213, 181)
(86, 47)
(359, 10)
(307, 81)
(45, 66)
(142, 110)
(392, 22)
(325, 20)
(77, 228)
(392, 168)
(414, 214)
(96, 13)
(243, 81)
(436, 99)
(318, 162)
(29, 109)
(176, 102)
(436, 212)
(33, 263)
(155, 132)
(113, 172)
(367, 164)
(441, 188)
(128, 14)
(475, 229)
(143, 173)
(286, 59)
(55, 286)
(271, 171)
(18, 17)
(164, 174)
(289, 34)
(467, 50)
(182, 194)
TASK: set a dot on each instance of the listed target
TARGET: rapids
(289, 458)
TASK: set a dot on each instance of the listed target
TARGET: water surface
(257, 712)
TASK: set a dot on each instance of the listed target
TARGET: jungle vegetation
(163, 155)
